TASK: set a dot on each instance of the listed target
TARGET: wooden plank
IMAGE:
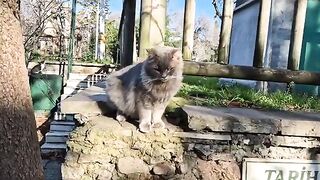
(206, 136)
(250, 73)
(225, 34)
(299, 142)
(188, 28)
(297, 34)
(262, 33)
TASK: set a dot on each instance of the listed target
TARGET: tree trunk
(19, 149)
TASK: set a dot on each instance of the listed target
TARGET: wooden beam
(250, 73)
(127, 33)
(225, 34)
(262, 33)
(297, 34)
(299, 142)
(145, 20)
(188, 28)
(206, 136)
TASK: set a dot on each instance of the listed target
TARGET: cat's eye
(171, 69)
(156, 68)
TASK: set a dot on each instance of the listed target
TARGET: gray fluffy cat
(143, 90)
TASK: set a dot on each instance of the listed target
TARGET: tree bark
(19, 149)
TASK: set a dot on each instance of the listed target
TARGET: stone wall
(202, 143)
(103, 149)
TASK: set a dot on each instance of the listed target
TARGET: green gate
(310, 52)
(45, 91)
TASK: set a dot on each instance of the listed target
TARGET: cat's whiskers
(168, 78)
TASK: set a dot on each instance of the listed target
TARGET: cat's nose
(164, 76)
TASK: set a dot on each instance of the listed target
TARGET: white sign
(273, 169)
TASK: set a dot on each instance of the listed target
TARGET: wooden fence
(222, 68)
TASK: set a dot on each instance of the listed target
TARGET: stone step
(53, 147)
(58, 133)
(57, 136)
(59, 127)
(62, 122)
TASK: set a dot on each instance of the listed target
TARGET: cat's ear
(150, 51)
(152, 55)
(176, 54)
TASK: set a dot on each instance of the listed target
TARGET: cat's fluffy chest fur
(143, 90)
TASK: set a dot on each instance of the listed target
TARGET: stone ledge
(244, 120)
(89, 101)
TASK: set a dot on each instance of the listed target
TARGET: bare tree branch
(216, 9)
(34, 25)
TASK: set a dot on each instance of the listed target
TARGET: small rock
(129, 165)
(183, 168)
(81, 119)
(140, 176)
(71, 173)
(105, 172)
(189, 146)
(222, 170)
(239, 154)
(71, 157)
(186, 166)
(90, 158)
(246, 141)
(221, 157)
(118, 144)
(163, 169)
(203, 151)
(169, 146)
(156, 159)
(138, 145)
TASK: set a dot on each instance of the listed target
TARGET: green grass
(206, 91)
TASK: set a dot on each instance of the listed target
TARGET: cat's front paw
(120, 117)
(158, 125)
(145, 127)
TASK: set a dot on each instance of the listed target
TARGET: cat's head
(164, 63)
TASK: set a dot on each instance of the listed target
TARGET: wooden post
(127, 33)
(262, 33)
(297, 34)
(145, 20)
(152, 25)
(158, 22)
(225, 33)
(188, 29)
(71, 40)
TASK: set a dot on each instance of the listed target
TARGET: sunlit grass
(206, 91)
